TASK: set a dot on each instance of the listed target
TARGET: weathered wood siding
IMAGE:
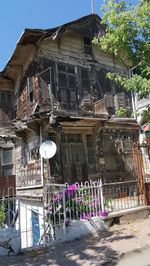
(68, 76)
(89, 74)
(28, 171)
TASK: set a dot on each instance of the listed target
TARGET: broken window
(67, 86)
(47, 81)
(7, 161)
(87, 46)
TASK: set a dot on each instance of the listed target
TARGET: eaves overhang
(29, 41)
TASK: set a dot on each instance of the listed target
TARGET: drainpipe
(42, 177)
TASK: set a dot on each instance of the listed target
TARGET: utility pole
(92, 6)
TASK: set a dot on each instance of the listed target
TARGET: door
(73, 159)
(35, 228)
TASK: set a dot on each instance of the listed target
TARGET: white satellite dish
(48, 149)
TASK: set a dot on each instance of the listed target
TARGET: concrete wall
(77, 229)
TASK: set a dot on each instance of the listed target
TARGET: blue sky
(16, 15)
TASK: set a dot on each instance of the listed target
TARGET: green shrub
(121, 112)
(2, 214)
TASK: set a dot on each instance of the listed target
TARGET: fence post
(101, 195)
(19, 220)
(64, 213)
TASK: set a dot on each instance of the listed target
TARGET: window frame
(67, 89)
(7, 164)
(87, 42)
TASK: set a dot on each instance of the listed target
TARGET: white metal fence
(122, 195)
(43, 217)
(74, 202)
(9, 210)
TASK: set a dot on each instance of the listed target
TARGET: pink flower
(72, 187)
(70, 190)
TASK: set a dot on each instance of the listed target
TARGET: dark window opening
(87, 46)
(31, 96)
(85, 81)
(67, 93)
(61, 67)
(30, 87)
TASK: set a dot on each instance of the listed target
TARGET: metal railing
(74, 202)
(42, 218)
(83, 201)
(9, 209)
(122, 195)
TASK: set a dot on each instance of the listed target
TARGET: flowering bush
(74, 203)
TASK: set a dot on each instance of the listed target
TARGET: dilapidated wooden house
(7, 139)
(62, 94)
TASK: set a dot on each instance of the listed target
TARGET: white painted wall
(26, 208)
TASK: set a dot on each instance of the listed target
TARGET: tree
(127, 38)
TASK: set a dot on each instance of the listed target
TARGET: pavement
(110, 248)
(138, 257)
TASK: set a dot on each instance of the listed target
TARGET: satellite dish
(48, 149)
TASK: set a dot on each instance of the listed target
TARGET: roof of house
(31, 37)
